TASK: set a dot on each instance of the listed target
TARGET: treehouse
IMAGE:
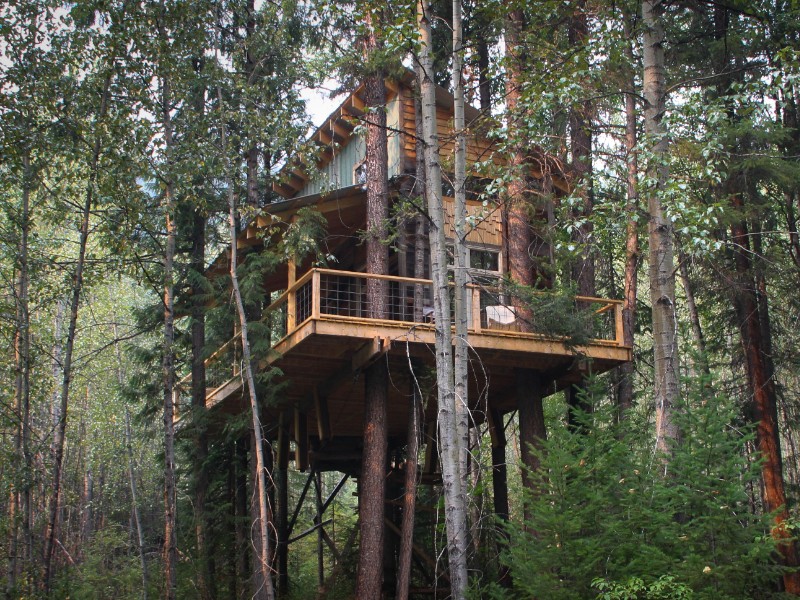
(324, 334)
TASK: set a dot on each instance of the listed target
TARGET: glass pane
(486, 260)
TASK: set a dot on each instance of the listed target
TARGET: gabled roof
(338, 129)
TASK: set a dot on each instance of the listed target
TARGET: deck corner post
(619, 325)
(476, 309)
(316, 292)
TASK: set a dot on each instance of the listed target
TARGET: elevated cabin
(318, 314)
(323, 337)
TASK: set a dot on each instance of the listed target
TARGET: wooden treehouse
(323, 337)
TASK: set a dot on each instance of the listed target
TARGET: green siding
(338, 173)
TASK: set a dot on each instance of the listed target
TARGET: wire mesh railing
(401, 299)
(577, 319)
(491, 308)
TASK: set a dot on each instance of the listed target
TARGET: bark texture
(410, 491)
(632, 250)
(372, 484)
(662, 269)
(449, 442)
(761, 386)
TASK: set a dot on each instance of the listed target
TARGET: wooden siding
(485, 224)
(338, 173)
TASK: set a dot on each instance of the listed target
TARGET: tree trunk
(168, 352)
(206, 579)
(22, 500)
(372, 485)
(583, 267)
(761, 386)
(500, 488)
(532, 431)
(450, 442)
(87, 518)
(410, 492)
(701, 362)
(460, 277)
(632, 250)
(135, 506)
(520, 267)
(282, 508)
(77, 288)
(263, 546)
(662, 271)
(517, 238)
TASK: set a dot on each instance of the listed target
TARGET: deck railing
(342, 295)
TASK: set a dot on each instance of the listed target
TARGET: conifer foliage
(635, 146)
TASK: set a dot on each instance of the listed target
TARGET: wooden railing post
(476, 309)
(619, 326)
(316, 292)
(291, 304)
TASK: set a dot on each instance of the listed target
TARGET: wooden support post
(282, 508)
(619, 325)
(318, 522)
(300, 440)
(500, 487)
(432, 450)
(323, 417)
(531, 425)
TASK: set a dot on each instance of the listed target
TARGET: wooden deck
(323, 340)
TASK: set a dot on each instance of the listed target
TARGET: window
(484, 260)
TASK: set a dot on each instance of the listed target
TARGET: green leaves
(606, 523)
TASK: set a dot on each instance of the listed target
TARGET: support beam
(337, 569)
(330, 544)
(297, 508)
(335, 492)
(500, 488)
(532, 429)
(323, 418)
(300, 440)
(370, 352)
(315, 527)
(432, 451)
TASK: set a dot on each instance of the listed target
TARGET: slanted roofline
(338, 129)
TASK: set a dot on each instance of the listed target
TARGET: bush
(608, 523)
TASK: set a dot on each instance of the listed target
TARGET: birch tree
(461, 355)
(661, 263)
(450, 443)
